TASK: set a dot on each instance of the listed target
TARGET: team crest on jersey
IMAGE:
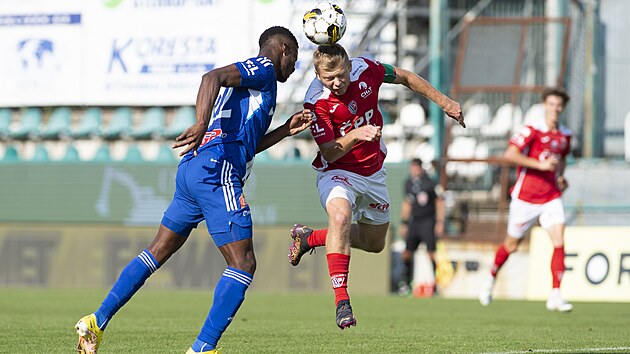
(352, 107)
(554, 144)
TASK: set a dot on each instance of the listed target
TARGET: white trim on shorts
(368, 196)
(523, 215)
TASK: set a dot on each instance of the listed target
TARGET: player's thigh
(522, 215)
(552, 220)
(373, 207)
(183, 213)
(373, 236)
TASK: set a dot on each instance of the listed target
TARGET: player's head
(281, 47)
(554, 100)
(332, 67)
(415, 168)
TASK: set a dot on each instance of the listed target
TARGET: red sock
(557, 266)
(317, 238)
(500, 258)
(338, 265)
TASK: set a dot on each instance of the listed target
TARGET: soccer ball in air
(325, 24)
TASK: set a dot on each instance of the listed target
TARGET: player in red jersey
(351, 181)
(539, 149)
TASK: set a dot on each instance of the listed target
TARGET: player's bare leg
(338, 257)
(509, 246)
(555, 302)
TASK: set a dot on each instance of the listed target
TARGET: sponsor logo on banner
(594, 271)
(157, 55)
(36, 54)
(112, 4)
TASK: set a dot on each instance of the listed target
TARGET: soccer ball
(325, 24)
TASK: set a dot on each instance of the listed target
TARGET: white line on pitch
(578, 350)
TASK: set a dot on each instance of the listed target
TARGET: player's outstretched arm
(294, 125)
(419, 85)
(211, 82)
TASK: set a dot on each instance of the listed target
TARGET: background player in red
(352, 180)
(539, 149)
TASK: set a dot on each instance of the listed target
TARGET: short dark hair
(416, 161)
(555, 91)
(271, 32)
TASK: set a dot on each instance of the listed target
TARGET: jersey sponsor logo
(342, 180)
(338, 280)
(363, 120)
(334, 108)
(315, 95)
(209, 136)
(352, 107)
(379, 206)
(317, 131)
(545, 139)
(366, 90)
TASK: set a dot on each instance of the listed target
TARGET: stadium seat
(119, 125)
(6, 117)
(184, 117)
(58, 124)
(165, 154)
(152, 124)
(626, 136)
(102, 154)
(133, 154)
(412, 118)
(72, 154)
(28, 128)
(535, 112)
(90, 125)
(41, 154)
(508, 117)
(10, 154)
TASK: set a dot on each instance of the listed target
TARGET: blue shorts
(210, 186)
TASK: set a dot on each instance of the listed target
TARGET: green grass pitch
(156, 321)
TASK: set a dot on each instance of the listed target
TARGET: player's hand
(562, 183)
(192, 137)
(548, 164)
(403, 229)
(368, 133)
(439, 229)
(300, 121)
(454, 110)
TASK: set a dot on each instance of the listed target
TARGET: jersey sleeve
(321, 128)
(256, 73)
(523, 138)
(390, 73)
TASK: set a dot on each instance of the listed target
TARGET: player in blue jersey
(235, 105)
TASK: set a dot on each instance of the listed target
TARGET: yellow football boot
(90, 336)
(213, 351)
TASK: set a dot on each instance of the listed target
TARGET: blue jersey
(244, 113)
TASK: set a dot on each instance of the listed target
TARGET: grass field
(41, 321)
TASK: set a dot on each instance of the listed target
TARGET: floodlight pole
(437, 50)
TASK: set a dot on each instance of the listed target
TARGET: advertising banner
(597, 264)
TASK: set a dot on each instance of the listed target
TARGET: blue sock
(228, 297)
(130, 280)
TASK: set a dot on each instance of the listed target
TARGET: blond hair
(329, 57)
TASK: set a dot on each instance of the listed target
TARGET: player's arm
(405, 216)
(514, 155)
(562, 182)
(421, 86)
(296, 124)
(335, 149)
(440, 216)
(211, 82)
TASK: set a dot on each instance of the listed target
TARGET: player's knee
(375, 246)
(246, 263)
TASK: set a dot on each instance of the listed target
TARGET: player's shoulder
(252, 65)
(315, 92)
(361, 65)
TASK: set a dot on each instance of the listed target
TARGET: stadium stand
(153, 122)
(133, 155)
(58, 124)
(184, 117)
(90, 124)
(10, 154)
(413, 120)
(40, 154)
(535, 111)
(165, 154)
(71, 155)
(626, 133)
(102, 154)
(506, 120)
(28, 125)
(6, 117)
(120, 124)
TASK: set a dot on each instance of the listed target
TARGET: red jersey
(335, 116)
(537, 141)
